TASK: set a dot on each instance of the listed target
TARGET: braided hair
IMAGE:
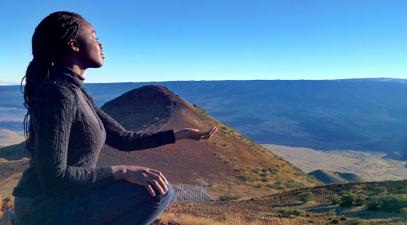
(49, 43)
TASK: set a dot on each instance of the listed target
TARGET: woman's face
(90, 52)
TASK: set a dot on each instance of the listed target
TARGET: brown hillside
(229, 163)
(13, 160)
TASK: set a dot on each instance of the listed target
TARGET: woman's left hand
(194, 134)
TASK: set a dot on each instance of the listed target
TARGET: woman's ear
(73, 45)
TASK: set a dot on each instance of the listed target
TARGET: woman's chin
(97, 64)
(101, 61)
(100, 64)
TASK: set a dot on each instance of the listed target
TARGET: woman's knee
(171, 191)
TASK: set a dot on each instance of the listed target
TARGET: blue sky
(159, 40)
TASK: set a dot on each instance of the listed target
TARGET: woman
(66, 132)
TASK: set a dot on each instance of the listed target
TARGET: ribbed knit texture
(68, 133)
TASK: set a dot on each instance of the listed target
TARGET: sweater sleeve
(118, 137)
(54, 118)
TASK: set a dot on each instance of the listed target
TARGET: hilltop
(229, 163)
(334, 177)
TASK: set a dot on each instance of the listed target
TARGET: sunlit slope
(228, 163)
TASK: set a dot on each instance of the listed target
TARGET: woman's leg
(36, 210)
(118, 203)
(145, 213)
(122, 203)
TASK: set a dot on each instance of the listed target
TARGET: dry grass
(291, 207)
(235, 219)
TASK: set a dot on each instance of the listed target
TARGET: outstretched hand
(194, 134)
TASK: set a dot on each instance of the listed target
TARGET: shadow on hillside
(323, 208)
(359, 213)
(365, 214)
(14, 152)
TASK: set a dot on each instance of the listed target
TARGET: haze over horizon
(170, 81)
(224, 40)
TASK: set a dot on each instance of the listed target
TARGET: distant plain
(370, 166)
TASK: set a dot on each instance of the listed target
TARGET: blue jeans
(120, 203)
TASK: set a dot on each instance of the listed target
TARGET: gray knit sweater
(68, 132)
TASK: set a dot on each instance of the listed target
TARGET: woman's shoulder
(52, 90)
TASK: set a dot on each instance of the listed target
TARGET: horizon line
(6, 83)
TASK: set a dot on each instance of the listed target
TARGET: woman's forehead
(87, 28)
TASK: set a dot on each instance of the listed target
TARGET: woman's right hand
(149, 178)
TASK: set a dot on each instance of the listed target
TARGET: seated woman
(66, 132)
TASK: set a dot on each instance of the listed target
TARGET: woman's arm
(118, 137)
(124, 140)
(53, 119)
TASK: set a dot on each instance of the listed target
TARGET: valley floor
(367, 165)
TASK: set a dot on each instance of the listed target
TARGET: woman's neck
(72, 64)
(77, 71)
(75, 68)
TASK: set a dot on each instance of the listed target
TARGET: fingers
(208, 133)
(160, 187)
(150, 189)
(155, 180)
(194, 134)
(213, 130)
(156, 172)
